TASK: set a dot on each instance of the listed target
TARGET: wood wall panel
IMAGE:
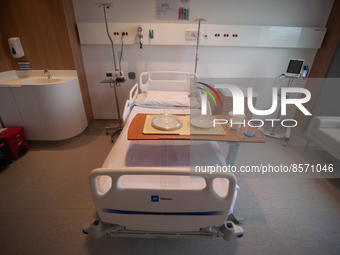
(5, 61)
(48, 33)
(322, 61)
(42, 29)
(77, 56)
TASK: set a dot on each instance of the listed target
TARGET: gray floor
(45, 200)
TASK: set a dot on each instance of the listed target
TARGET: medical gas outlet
(140, 34)
(151, 34)
(191, 34)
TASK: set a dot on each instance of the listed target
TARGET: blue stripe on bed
(106, 210)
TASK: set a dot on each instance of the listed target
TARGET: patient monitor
(294, 68)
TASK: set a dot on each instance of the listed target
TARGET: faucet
(49, 74)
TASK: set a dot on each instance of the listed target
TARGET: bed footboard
(161, 209)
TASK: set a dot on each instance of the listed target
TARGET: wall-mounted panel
(211, 35)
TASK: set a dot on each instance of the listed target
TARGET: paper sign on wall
(172, 9)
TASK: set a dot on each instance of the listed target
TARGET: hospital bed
(144, 188)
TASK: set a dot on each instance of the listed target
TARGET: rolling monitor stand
(118, 129)
(285, 135)
(294, 71)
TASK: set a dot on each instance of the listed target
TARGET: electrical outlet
(191, 34)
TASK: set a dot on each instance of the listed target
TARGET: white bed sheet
(162, 153)
(153, 153)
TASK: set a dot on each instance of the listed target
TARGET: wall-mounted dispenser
(15, 47)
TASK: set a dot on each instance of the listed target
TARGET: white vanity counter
(36, 77)
(48, 109)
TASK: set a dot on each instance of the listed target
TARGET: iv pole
(108, 6)
(198, 39)
(111, 81)
(237, 217)
(203, 95)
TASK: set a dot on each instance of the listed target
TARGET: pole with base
(111, 81)
(120, 127)
(198, 39)
(272, 133)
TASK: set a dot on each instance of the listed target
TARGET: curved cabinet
(47, 112)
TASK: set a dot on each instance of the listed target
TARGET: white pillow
(167, 98)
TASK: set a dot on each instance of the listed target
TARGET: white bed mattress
(162, 153)
(155, 153)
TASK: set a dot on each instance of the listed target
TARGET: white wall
(214, 62)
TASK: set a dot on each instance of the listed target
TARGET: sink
(40, 80)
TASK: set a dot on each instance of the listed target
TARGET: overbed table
(233, 138)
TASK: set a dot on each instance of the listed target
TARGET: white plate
(167, 122)
(202, 121)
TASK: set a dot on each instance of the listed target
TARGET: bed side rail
(166, 84)
(128, 104)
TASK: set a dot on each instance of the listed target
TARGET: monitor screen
(295, 66)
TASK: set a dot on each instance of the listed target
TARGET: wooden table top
(135, 132)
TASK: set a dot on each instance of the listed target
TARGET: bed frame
(161, 213)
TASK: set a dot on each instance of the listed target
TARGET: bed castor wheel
(106, 132)
(231, 231)
(285, 142)
(94, 228)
